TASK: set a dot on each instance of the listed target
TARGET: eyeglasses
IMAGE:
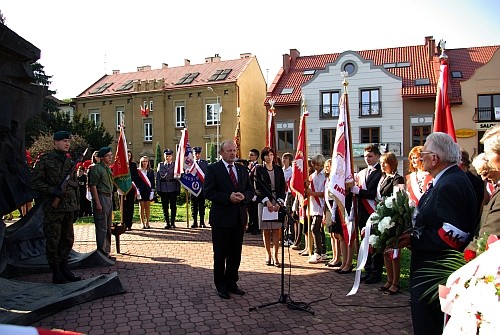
(422, 153)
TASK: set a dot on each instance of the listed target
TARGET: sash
(144, 178)
(315, 197)
(369, 204)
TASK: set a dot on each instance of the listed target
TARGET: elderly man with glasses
(444, 220)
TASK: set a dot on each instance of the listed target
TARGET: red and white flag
(341, 175)
(121, 172)
(443, 119)
(300, 171)
(145, 111)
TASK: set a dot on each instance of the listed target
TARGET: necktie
(232, 175)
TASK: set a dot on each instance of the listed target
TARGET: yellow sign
(462, 133)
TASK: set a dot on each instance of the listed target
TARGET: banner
(443, 119)
(186, 169)
(341, 175)
(121, 172)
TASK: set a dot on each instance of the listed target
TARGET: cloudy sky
(80, 41)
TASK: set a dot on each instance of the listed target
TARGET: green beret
(103, 151)
(61, 135)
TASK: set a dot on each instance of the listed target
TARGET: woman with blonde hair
(145, 190)
(417, 180)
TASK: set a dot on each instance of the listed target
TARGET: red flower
(469, 255)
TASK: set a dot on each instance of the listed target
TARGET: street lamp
(218, 115)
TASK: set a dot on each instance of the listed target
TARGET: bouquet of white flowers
(392, 218)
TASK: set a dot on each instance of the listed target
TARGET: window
(285, 135)
(349, 67)
(180, 115)
(456, 74)
(370, 135)
(187, 79)
(126, 86)
(120, 117)
(422, 82)
(370, 103)
(308, 72)
(150, 105)
(212, 114)
(488, 107)
(327, 141)
(419, 134)
(148, 130)
(101, 88)
(220, 75)
(329, 105)
(287, 90)
(95, 117)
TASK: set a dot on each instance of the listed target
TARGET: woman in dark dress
(146, 190)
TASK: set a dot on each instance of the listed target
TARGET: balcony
(328, 112)
(487, 114)
(370, 109)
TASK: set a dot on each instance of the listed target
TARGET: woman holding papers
(270, 188)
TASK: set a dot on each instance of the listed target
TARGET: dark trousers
(169, 199)
(128, 209)
(318, 234)
(59, 236)
(227, 244)
(253, 216)
(198, 207)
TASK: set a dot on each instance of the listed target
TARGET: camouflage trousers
(59, 236)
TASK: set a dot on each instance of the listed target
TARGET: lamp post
(218, 115)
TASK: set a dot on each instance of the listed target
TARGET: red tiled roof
(466, 60)
(171, 76)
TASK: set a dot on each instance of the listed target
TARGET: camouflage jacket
(48, 174)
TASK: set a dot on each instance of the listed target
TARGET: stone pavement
(168, 278)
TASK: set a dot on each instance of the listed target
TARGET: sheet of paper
(269, 216)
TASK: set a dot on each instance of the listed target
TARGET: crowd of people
(453, 208)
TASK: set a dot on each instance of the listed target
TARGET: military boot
(57, 276)
(68, 275)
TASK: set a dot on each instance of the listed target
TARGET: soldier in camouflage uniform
(49, 172)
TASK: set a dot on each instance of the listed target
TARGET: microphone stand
(283, 298)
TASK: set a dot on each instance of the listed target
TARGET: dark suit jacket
(386, 186)
(370, 192)
(490, 220)
(262, 191)
(453, 201)
(218, 188)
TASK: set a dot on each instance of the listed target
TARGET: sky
(80, 41)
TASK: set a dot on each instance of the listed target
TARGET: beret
(168, 151)
(103, 151)
(197, 149)
(61, 135)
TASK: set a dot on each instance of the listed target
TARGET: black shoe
(129, 228)
(223, 293)
(372, 280)
(67, 274)
(365, 276)
(173, 225)
(236, 290)
(203, 225)
(343, 272)
(194, 225)
(168, 226)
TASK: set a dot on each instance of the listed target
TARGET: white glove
(139, 196)
(151, 195)
(355, 189)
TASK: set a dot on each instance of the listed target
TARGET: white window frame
(212, 114)
(150, 105)
(180, 115)
(148, 130)
(95, 117)
(120, 117)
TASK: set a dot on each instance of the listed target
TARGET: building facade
(155, 105)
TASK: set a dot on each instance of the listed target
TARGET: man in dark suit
(229, 189)
(365, 191)
(198, 203)
(253, 215)
(444, 220)
(129, 199)
(168, 188)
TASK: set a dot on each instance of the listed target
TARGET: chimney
(187, 62)
(294, 53)
(430, 44)
(164, 65)
(213, 59)
(286, 63)
(245, 55)
(144, 68)
(116, 71)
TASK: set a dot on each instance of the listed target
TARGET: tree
(45, 142)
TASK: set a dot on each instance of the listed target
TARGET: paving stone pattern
(170, 290)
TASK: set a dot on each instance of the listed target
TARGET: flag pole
(309, 240)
